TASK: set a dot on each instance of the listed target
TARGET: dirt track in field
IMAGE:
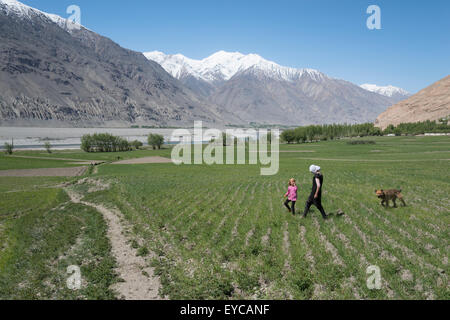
(139, 280)
(44, 172)
(144, 160)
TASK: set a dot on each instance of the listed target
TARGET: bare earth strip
(136, 285)
(81, 161)
(45, 172)
(144, 160)
(286, 248)
(374, 160)
(288, 151)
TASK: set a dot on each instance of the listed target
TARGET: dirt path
(131, 268)
(144, 160)
(44, 172)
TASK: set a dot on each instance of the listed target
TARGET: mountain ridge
(50, 75)
(431, 103)
(222, 66)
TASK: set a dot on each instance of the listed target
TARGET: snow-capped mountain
(26, 12)
(388, 91)
(222, 66)
(259, 90)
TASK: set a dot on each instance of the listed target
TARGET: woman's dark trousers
(318, 203)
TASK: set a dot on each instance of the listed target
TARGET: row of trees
(329, 132)
(337, 131)
(419, 128)
(105, 142)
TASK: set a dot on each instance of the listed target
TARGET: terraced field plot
(221, 231)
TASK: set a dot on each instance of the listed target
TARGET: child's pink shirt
(292, 193)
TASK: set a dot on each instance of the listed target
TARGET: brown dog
(386, 195)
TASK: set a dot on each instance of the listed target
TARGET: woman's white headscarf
(313, 168)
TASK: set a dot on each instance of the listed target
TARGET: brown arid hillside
(431, 103)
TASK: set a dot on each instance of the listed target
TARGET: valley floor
(221, 232)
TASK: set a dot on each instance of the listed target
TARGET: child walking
(291, 195)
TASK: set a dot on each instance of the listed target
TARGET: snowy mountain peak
(222, 66)
(23, 11)
(16, 7)
(388, 91)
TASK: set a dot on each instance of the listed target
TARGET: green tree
(155, 140)
(9, 147)
(288, 136)
(48, 147)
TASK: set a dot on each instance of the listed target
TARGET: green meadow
(221, 231)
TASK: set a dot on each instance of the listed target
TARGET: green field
(221, 232)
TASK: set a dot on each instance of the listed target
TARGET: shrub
(353, 142)
(136, 144)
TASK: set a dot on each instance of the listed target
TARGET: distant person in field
(291, 196)
(315, 198)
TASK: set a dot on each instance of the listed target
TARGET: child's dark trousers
(292, 207)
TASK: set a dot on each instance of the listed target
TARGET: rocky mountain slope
(52, 75)
(431, 103)
(258, 90)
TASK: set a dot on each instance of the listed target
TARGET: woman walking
(315, 198)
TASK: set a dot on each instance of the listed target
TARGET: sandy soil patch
(44, 172)
(144, 160)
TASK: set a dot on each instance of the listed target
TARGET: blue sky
(412, 50)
